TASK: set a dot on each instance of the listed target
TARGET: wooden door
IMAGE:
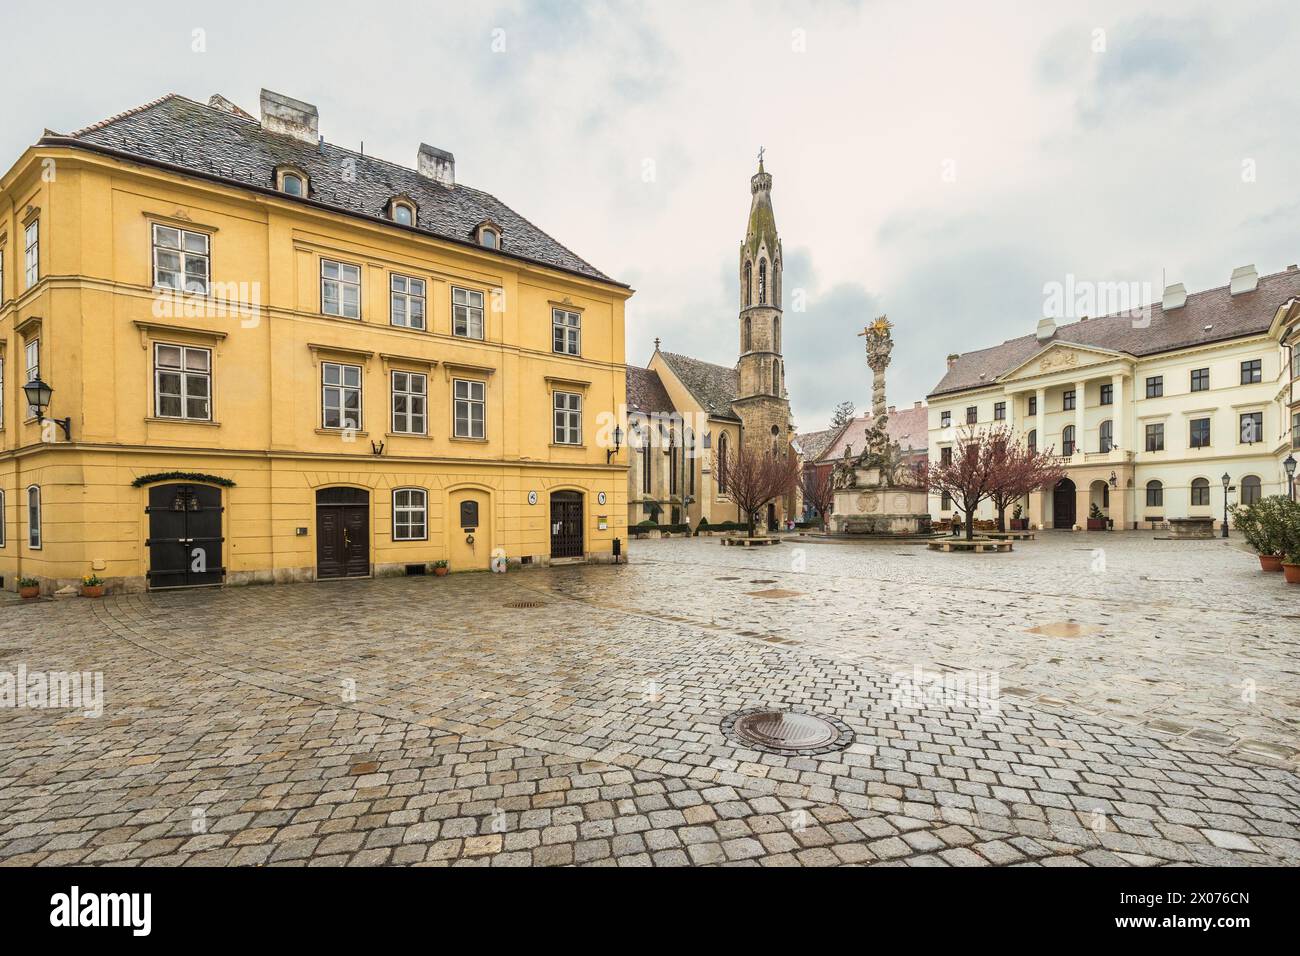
(185, 540)
(342, 533)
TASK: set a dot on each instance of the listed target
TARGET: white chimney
(1175, 297)
(1046, 329)
(1244, 279)
(289, 117)
(436, 164)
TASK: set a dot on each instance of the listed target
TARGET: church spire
(760, 253)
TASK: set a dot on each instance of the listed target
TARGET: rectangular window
(180, 260)
(945, 502)
(34, 518)
(1067, 401)
(467, 313)
(2, 519)
(410, 514)
(1155, 386)
(410, 392)
(32, 254)
(182, 382)
(468, 402)
(1252, 427)
(568, 418)
(33, 354)
(945, 455)
(1200, 494)
(2, 275)
(1295, 430)
(340, 289)
(1156, 437)
(1155, 494)
(1200, 433)
(340, 395)
(566, 332)
(999, 411)
(1108, 395)
(1295, 349)
(407, 298)
(1252, 372)
(1033, 405)
(1200, 380)
(972, 415)
(945, 419)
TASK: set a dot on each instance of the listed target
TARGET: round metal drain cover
(784, 732)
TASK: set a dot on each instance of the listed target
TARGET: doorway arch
(567, 525)
(1063, 504)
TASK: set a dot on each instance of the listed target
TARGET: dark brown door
(566, 524)
(1063, 510)
(342, 533)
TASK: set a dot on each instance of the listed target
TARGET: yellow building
(281, 360)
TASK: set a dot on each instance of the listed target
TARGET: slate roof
(178, 132)
(1227, 316)
(813, 445)
(714, 386)
(910, 427)
(646, 392)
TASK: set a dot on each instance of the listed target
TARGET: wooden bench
(978, 546)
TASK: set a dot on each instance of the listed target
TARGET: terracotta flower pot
(1292, 572)
(92, 590)
(1270, 562)
(28, 593)
(440, 572)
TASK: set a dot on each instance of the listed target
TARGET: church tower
(761, 399)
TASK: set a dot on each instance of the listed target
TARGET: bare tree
(967, 476)
(818, 489)
(754, 479)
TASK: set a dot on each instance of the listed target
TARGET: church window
(762, 282)
(747, 344)
(749, 284)
(776, 335)
(722, 464)
(776, 378)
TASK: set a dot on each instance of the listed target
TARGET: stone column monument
(875, 492)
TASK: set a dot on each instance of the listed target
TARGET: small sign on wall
(602, 523)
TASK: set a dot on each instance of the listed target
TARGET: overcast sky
(938, 163)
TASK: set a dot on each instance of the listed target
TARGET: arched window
(1155, 494)
(1067, 441)
(722, 463)
(674, 458)
(1251, 491)
(747, 343)
(776, 334)
(1032, 439)
(1200, 492)
(34, 517)
(749, 284)
(1106, 433)
(776, 378)
(646, 459)
(762, 282)
(401, 212)
(688, 444)
(291, 181)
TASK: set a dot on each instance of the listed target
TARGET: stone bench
(743, 541)
(1191, 528)
(979, 546)
(1010, 535)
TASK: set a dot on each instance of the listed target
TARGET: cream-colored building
(1147, 410)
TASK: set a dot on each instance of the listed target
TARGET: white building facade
(1148, 411)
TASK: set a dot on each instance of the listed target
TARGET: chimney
(1046, 329)
(1175, 297)
(892, 409)
(289, 117)
(916, 404)
(1244, 279)
(952, 359)
(436, 164)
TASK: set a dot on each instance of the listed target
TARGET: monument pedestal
(878, 507)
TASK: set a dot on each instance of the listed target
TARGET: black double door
(185, 541)
(566, 525)
(1063, 505)
(342, 533)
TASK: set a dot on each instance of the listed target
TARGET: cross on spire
(761, 151)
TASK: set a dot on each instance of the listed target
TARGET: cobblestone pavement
(424, 721)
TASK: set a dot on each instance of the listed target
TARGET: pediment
(1061, 357)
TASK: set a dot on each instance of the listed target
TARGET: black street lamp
(618, 442)
(1226, 482)
(38, 396)
(1289, 465)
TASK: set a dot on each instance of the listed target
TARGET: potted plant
(440, 568)
(1291, 567)
(1018, 520)
(1096, 518)
(29, 588)
(1250, 523)
(92, 586)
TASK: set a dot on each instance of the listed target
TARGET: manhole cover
(784, 732)
(763, 581)
(523, 604)
(728, 579)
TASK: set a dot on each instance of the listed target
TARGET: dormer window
(488, 234)
(291, 181)
(402, 212)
